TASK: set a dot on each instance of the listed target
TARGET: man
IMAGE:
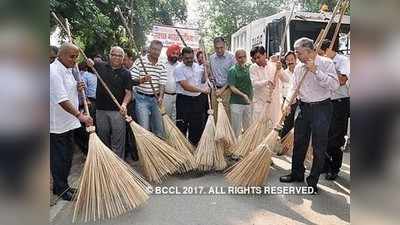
(242, 93)
(267, 92)
(221, 61)
(341, 112)
(64, 118)
(200, 58)
(291, 62)
(53, 51)
(315, 111)
(110, 120)
(173, 52)
(191, 100)
(129, 59)
(147, 100)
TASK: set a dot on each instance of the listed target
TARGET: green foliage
(98, 27)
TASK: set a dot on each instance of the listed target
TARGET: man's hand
(144, 79)
(310, 65)
(330, 53)
(205, 90)
(87, 120)
(270, 85)
(160, 100)
(123, 110)
(278, 65)
(247, 99)
(81, 86)
(90, 63)
(342, 79)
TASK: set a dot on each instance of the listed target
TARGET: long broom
(173, 135)
(108, 186)
(209, 155)
(224, 133)
(240, 172)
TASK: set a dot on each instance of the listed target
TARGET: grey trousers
(111, 128)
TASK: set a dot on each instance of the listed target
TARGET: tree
(97, 27)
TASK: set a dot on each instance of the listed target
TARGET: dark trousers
(313, 119)
(61, 153)
(337, 131)
(191, 115)
(288, 124)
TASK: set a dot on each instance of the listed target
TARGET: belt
(315, 103)
(92, 99)
(141, 93)
(341, 99)
(169, 93)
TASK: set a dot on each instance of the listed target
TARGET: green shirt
(240, 78)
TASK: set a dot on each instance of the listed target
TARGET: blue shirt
(220, 66)
(90, 80)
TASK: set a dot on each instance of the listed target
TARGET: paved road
(331, 206)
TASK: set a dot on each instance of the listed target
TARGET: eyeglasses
(116, 55)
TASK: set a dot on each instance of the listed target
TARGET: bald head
(240, 56)
(116, 57)
(68, 54)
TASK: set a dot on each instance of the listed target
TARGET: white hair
(304, 43)
(117, 48)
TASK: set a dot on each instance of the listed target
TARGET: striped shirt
(158, 73)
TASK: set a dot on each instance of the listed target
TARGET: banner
(168, 36)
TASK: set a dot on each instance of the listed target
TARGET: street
(331, 206)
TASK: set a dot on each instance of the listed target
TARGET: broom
(174, 136)
(239, 174)
(224, 133)
(209, 155)
(108, 186)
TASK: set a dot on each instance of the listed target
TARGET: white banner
(168, 36)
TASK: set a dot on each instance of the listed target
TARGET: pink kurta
(259, 77)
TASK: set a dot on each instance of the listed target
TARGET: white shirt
(192, 74)
(171, 83)
(319, 86)
(288, 85)
(342, 66)
(62, 87)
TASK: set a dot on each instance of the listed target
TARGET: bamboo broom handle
(344, 7)
(285, 30)
(118, 9)
(180, 36)
(85, 104)
(318, 46)
(94, 70)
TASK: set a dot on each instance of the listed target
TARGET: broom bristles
(253, 169)
(224, 133)
(208, 154)
(252, 137)
(288, 144)
(176, 139)
(108, 186)
(157, 158)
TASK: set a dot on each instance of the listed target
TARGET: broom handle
(318, 46)
(92, 67)
(180, 36)
(136, 47)
(85, 104)
(344, 7)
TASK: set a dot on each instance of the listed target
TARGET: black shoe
(290, 178)
(67, 196)
(331, 176)
(315, 189)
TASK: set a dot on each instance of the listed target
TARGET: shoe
(331, 176)
(67, 196)
(290, 178)
(315, 189)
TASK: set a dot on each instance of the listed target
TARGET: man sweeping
(110, 121)
(64, 118)
(242, 93)
(173, 52)
(220, 62)
(266, 90)
(191, 99)
(341, 112)
(316, 111)
(147, 99)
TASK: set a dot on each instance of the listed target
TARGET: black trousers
(313, 119)
(288, 124)
(337, 131)
(61, 153)
(191, 115)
